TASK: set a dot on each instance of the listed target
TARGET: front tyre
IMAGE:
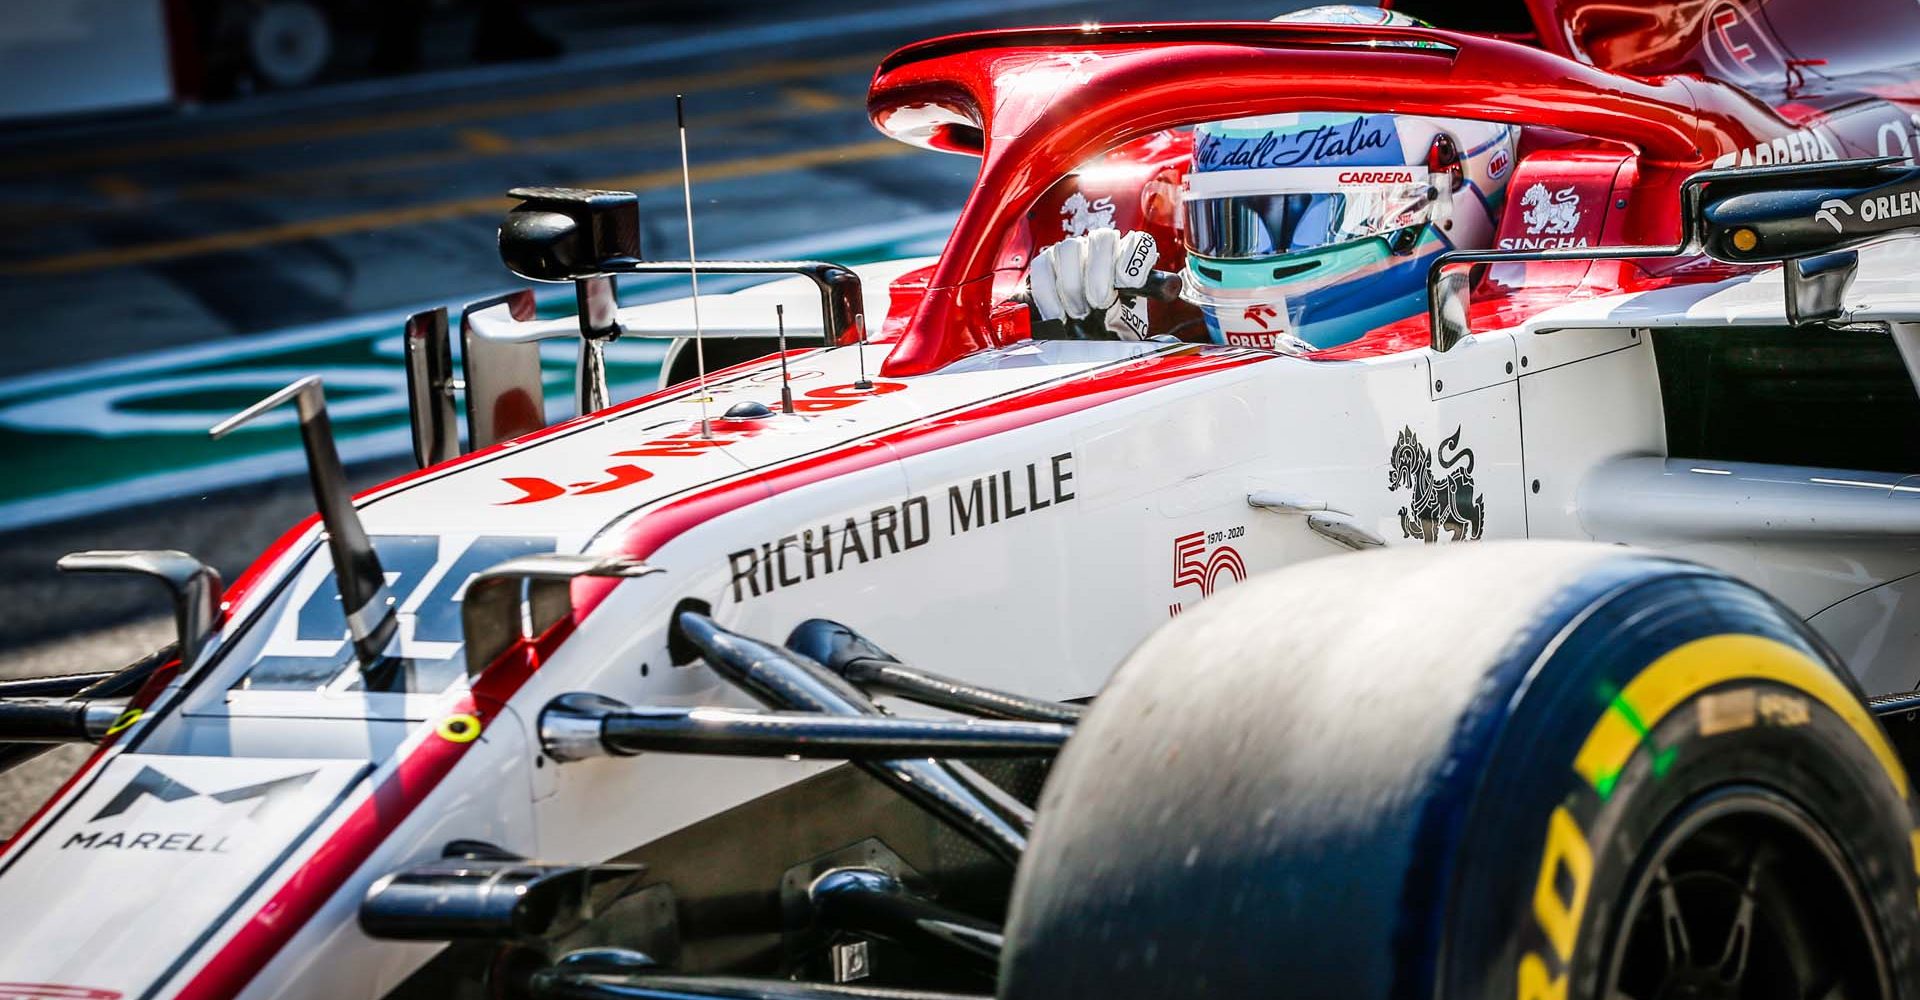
(1506, 770)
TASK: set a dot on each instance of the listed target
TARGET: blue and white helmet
(1304, 231)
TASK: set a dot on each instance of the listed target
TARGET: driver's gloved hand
(1101, 272)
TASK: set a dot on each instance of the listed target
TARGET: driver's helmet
(1304, 231)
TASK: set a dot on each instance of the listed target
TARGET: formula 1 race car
(748, 687)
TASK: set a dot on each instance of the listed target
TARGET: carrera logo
(54, 991)
(1799, 146)
(1377, 177)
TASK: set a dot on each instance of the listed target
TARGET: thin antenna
(786, 380)
(693, 269)
(860, 346)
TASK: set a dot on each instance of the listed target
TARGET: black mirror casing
(565, 234)
(1818, 209)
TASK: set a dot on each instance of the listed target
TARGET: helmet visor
(1242, 214)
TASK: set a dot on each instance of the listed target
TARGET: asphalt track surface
(243, 222)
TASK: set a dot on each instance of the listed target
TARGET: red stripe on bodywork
(660, 526)
(361, 833)
(317, 879)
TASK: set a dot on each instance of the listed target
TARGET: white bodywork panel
(998, 521)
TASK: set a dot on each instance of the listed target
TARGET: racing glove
(1082, 275)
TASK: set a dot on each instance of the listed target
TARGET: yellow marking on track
(485, 141)
(809, 99)
(336, 176)
(1680, 674)
(371, 221)
(431, 117)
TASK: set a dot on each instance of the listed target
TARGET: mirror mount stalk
(1804, 216)
(364, 598)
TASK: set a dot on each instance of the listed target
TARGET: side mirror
(194, 586)
(566, 234)
(525, 596)
(1766, 218)
(1807, 216)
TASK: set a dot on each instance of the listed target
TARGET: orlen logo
(1199, 562)
(1377, 177)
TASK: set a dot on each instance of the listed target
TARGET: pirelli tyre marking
(1703, 663)
(1559, 899)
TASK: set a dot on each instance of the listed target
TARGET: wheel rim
(1744, 897)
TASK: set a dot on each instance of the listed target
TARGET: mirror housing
(566, 234)
(193, 585)
(1806, 216)
(1807, 211)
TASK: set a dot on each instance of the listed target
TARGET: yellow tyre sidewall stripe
(1671, 680)
(1654, 693)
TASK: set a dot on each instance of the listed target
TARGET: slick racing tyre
(1522, 770)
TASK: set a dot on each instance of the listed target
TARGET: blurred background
(205, 199)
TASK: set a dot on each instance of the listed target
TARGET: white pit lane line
(151, 487)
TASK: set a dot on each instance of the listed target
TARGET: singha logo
(1080, 216)
(1443, 499)
(1556, 213)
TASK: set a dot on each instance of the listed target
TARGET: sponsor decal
(54, 991)
(1202, 561)
(263, 798)
(896, 528)
(1881, 208)
(1498, 165)
(1370, 138)
(1263, 315)
(1263, 341)
(1443, 499)
(1898, 137)
(1805, 145)
(1376, 177)
(686, 444)
(1550, 213)
(1550, 218)
(1737, 48)
(1829, 212)
(1080, 216)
